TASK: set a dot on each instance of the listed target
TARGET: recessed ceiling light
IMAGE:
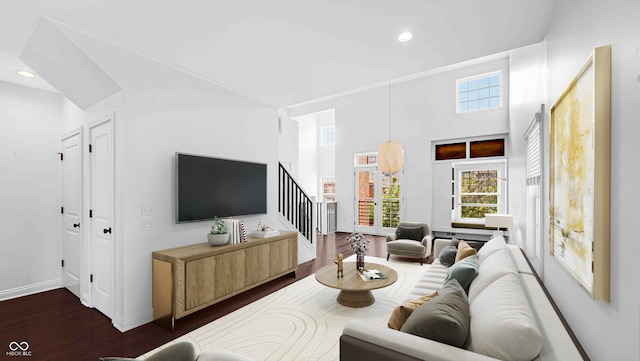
(26, 73)
(404, 37)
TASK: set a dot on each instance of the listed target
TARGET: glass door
(378, 201)
(365, 200)
(390, 197)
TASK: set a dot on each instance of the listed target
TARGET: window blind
(534, 154)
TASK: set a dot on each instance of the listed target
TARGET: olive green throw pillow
(445, 318)
(464, 271)
(448, 255)
(401, 313)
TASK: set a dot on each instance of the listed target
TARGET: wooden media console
(189, 278)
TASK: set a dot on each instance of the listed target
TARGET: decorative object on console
(235, 227)
(390, 158)
(218, 235)
(264, 231)
(360, 246)
(579, 180)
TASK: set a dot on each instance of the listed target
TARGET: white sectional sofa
(511, 317)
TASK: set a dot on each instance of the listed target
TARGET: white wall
(30, 243)
(160, 111)
(308, 147)
(538, 74)
(360, 111)
(527, 71)
(448, 126)
(288, 142)
(421, 111)
(326, 155)
(314, 161)
(576, 28)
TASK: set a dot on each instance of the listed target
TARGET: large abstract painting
(580, 142)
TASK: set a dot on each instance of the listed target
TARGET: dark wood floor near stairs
(58, 327)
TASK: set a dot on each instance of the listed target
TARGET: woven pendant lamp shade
(390, 158)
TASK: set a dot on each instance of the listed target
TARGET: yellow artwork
(579, 176)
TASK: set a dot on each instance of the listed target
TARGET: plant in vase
(218, 234)
(360, 246)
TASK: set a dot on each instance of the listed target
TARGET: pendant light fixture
(390, 158)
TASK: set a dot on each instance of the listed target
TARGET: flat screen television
(208, 187)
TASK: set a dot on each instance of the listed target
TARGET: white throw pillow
(502, 322)
(498, 264)
(491, 246)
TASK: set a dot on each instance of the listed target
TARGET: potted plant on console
(218, 235)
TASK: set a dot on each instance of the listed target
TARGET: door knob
(106, 230)
(76, 225)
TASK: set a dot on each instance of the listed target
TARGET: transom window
(365, 159)
(328, 136)
(479, 92)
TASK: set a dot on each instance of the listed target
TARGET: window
(329, 189)
(390, 200)
(366, 159)
(476, 149)
(478, 193)
(534, 195)
(479, 188)
(480, 92)
(328, 136)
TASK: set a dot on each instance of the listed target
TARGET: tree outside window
(479, 193)
(478, 182)
(391, 202)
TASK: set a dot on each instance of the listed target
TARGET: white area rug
(302, 321)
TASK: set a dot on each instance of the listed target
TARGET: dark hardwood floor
(58, 327)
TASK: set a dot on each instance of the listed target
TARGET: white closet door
(71, 192)
(102, 200)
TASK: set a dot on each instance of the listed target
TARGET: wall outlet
(147, 209)
(146, 224)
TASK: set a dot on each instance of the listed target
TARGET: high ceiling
(284, 52)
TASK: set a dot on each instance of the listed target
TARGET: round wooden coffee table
(354, 291)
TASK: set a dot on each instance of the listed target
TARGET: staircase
(295, 205)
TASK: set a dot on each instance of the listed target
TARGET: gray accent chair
(411, 239)
(185, 351)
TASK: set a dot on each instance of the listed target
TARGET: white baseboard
(125, 324)
(30, 289)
